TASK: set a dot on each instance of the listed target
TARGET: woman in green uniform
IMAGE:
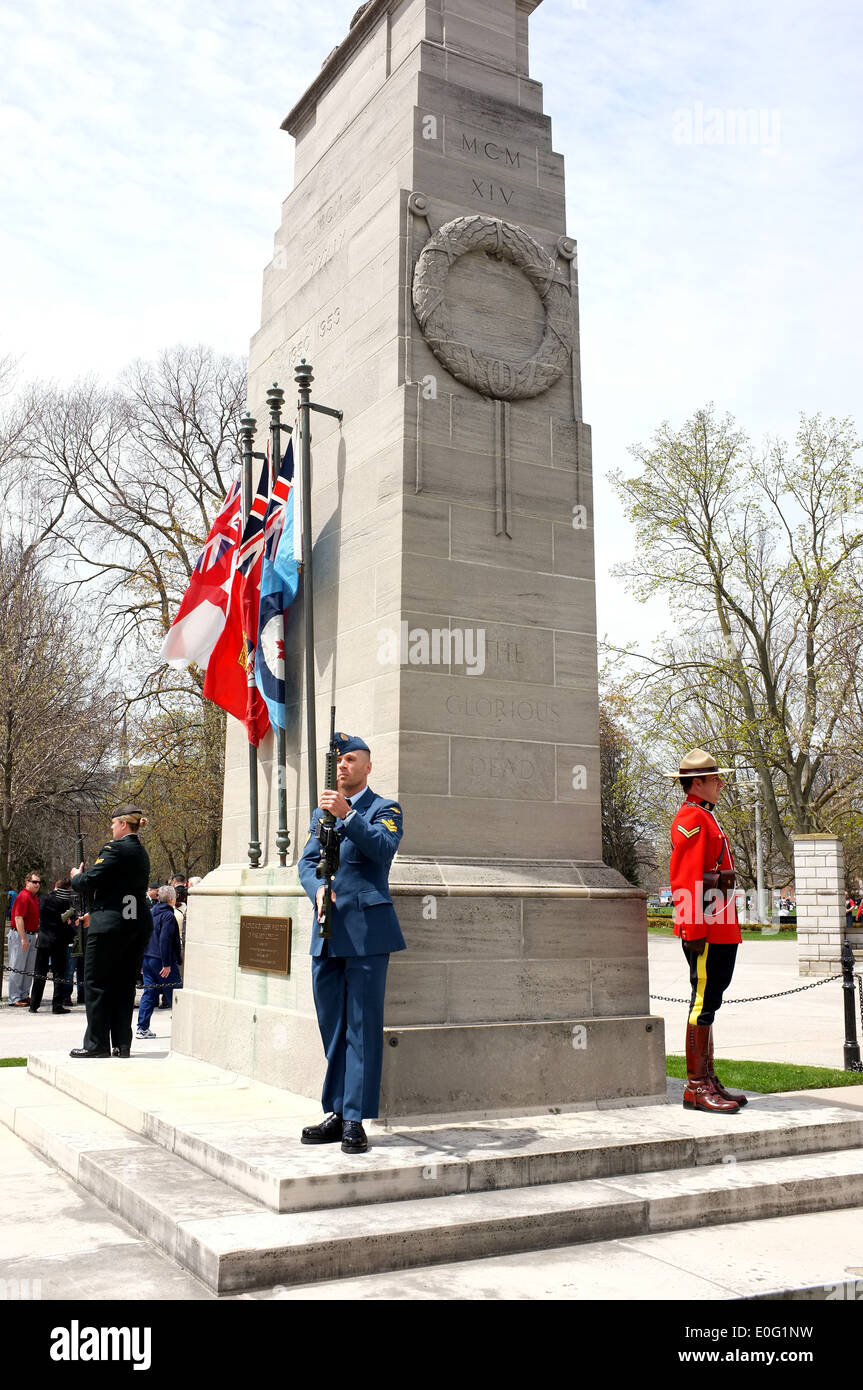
(115, 893)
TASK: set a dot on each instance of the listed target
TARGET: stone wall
(819, 879)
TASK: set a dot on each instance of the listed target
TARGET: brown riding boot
(700, 1093)
(736, 1096)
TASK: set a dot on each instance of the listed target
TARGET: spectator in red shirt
(22, 941)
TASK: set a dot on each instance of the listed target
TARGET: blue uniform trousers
(349, 999)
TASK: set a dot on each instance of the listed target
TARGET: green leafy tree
(759, 559)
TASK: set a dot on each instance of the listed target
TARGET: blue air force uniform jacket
(364, 921)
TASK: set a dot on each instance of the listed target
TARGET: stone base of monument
(524, 987)
(209, 1166)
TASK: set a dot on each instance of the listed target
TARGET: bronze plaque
(265, 944)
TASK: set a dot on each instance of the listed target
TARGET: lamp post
(754, 785)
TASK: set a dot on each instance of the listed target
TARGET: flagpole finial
(275, 397)
(303, 373)
(247, 424)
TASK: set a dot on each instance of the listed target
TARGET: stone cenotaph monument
(423, 268)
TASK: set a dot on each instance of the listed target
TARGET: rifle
(326, 833)
(78, 939)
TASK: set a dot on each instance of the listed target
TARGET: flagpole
(303, 377)
(247, 436)
(275, 397)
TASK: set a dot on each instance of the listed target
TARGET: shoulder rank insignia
(396, 809)
(100, 861)
(390, 824)
(689, 833)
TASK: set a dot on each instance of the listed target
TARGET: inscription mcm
(492, 151)
(485, 189)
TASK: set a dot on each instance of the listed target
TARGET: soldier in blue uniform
(349, 970)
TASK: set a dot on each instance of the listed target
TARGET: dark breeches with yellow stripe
(710, 975)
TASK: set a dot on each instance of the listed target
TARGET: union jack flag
(274, 520)
(219, 542)
(252, 544)
(200, 619)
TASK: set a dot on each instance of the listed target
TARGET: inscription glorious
(498, 707)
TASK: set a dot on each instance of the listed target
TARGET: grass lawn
(769, 1077)
(13, 1061)
(747, 933)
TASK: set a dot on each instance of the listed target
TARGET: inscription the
(491, 192)
(510, 653)
(491, 150)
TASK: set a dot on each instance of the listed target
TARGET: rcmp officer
(349, 969)
(115, 889)
(705, 919)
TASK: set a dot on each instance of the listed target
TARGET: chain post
(851, 1050)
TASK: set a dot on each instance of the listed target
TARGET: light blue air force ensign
(272, 641)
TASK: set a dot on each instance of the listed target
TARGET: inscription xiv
(491, 192)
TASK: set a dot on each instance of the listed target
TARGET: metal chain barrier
(757, 998)
(8, 969)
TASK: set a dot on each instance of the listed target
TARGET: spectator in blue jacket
(161, 964)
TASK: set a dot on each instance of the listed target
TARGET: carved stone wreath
(492, 376)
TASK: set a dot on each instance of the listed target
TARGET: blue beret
(350, 743)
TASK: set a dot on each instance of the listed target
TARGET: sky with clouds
(143, 171)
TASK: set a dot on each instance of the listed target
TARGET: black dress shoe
(354, 1139)
(328, 1132)
(56, 1011)
(87, 1052)
(120, 1052)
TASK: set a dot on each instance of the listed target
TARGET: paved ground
(22, 1032)
(808, 1028)
(73, 1247)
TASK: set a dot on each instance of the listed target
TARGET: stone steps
(806, 1257)
(232, 1242)
(246, 1134)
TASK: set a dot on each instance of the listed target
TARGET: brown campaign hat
(123, 811)
(697, 763)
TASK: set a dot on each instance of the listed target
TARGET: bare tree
(141, 471)
(57, 720)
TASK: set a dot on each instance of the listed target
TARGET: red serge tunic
(699, 845)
